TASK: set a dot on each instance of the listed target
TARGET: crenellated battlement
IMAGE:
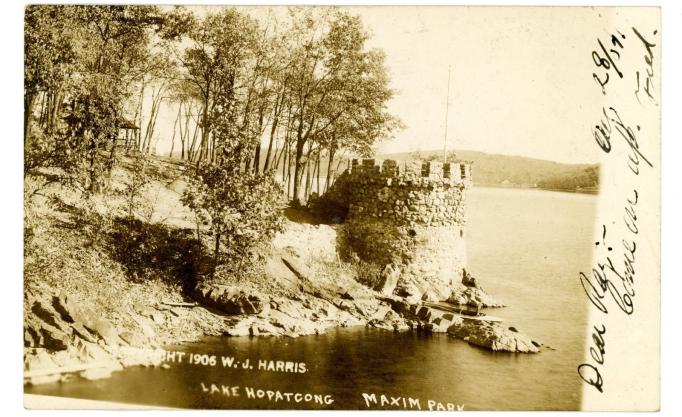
(429, 171)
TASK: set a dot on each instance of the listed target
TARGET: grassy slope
(82, 249)
(91, 251)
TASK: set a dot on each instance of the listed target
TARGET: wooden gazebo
(126, 132)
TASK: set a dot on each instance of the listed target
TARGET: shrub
(154, 251)
(134, 188)
(241, 209)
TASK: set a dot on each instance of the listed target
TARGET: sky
(518, 78)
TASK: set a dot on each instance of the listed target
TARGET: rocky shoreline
(63, 340)
(308, 292)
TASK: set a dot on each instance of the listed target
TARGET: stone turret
(410, 215)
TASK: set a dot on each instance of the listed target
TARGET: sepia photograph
(436, 208)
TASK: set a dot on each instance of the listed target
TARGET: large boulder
(408, 290)
(69, 309)
(440, 323)
(43, 328)
(53, 338)
(104, 329)
(469, 280)
(472, 296)
(80, 331)
(277, 272)
(47, 314)
(388, 279)
(493, 336)
(231, 300)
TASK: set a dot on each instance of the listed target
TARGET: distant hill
(517, 171)
(495, 170)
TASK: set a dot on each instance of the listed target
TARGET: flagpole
(447, 105)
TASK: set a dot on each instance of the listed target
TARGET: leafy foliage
(308, 79)
(243, 207)
(135, 186)
(153, 250)
(586, 178)
(82, 61)
(339, 88)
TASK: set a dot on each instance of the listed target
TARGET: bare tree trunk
(43, 109)
(184, 131)
(284, 154)
(204, 133)
(216, 253)
(138, 114)
(56, 106)
(330, 172)
(306, 189)
(247, 163)
(181, 131)
(192, 148)
(170, 155)
(29, 101)
(278, 157)
(209, 149)
(46, 109)
(153, 116)
(273, 130)
(316, 172)
(299, 166)
(288, 165)
(256, 159)
(52, 109)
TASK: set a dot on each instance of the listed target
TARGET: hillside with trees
(304, 84)
(117, 231)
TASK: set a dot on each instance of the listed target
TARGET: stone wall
(409, 214)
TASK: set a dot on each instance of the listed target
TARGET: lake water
(526, 246)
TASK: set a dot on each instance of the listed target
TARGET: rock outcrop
(231, 299)
(493, 336)
(388, 279)
(63, 338)
(472, 297)
(415, 315)
(471, 293)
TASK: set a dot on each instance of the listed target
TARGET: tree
(84, 60)
(307, 85)
(221, 47)
(240, 208)
(49, 59)
(333, 78)
(134, 187)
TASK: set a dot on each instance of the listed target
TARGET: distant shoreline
(590, 191)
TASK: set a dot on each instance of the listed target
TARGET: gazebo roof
(122, 122)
